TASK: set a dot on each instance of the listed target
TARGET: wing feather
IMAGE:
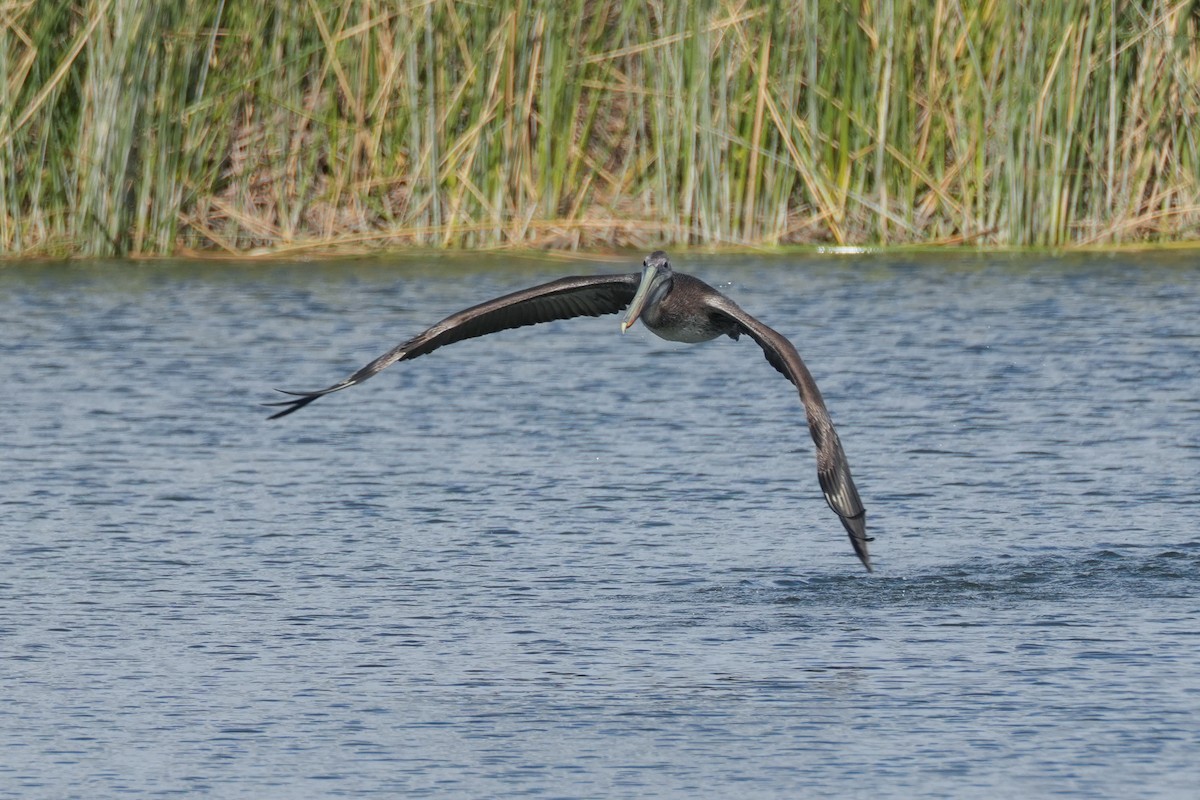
(578, 296)
(833, 469)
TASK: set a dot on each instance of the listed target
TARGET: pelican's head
(656, 282)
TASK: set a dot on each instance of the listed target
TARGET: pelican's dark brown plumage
(673, 305)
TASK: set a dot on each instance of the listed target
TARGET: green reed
(148, 126)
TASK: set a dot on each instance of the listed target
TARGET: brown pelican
(673, 305)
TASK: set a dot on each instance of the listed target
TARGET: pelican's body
(681, 315)
(674, 306)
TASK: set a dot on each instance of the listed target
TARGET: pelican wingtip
(856, 527)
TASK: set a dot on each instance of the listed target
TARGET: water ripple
(573, 564)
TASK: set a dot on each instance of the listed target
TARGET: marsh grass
(158, 126)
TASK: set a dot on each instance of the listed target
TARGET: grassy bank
(155, 126)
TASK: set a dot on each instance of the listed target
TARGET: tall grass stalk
(160, 126)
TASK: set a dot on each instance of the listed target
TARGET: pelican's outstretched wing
(833, 470)
(580, 296)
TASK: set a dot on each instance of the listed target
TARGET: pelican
(676, 307)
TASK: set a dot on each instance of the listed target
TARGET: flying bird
(674, 306)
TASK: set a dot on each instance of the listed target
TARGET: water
(566, 563)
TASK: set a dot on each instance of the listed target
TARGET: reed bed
(165, 126)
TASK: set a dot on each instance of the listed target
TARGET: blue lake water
(560, 562)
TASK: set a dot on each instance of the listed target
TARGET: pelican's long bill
(650, 274)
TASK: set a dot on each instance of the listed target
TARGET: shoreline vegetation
(171, 127)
